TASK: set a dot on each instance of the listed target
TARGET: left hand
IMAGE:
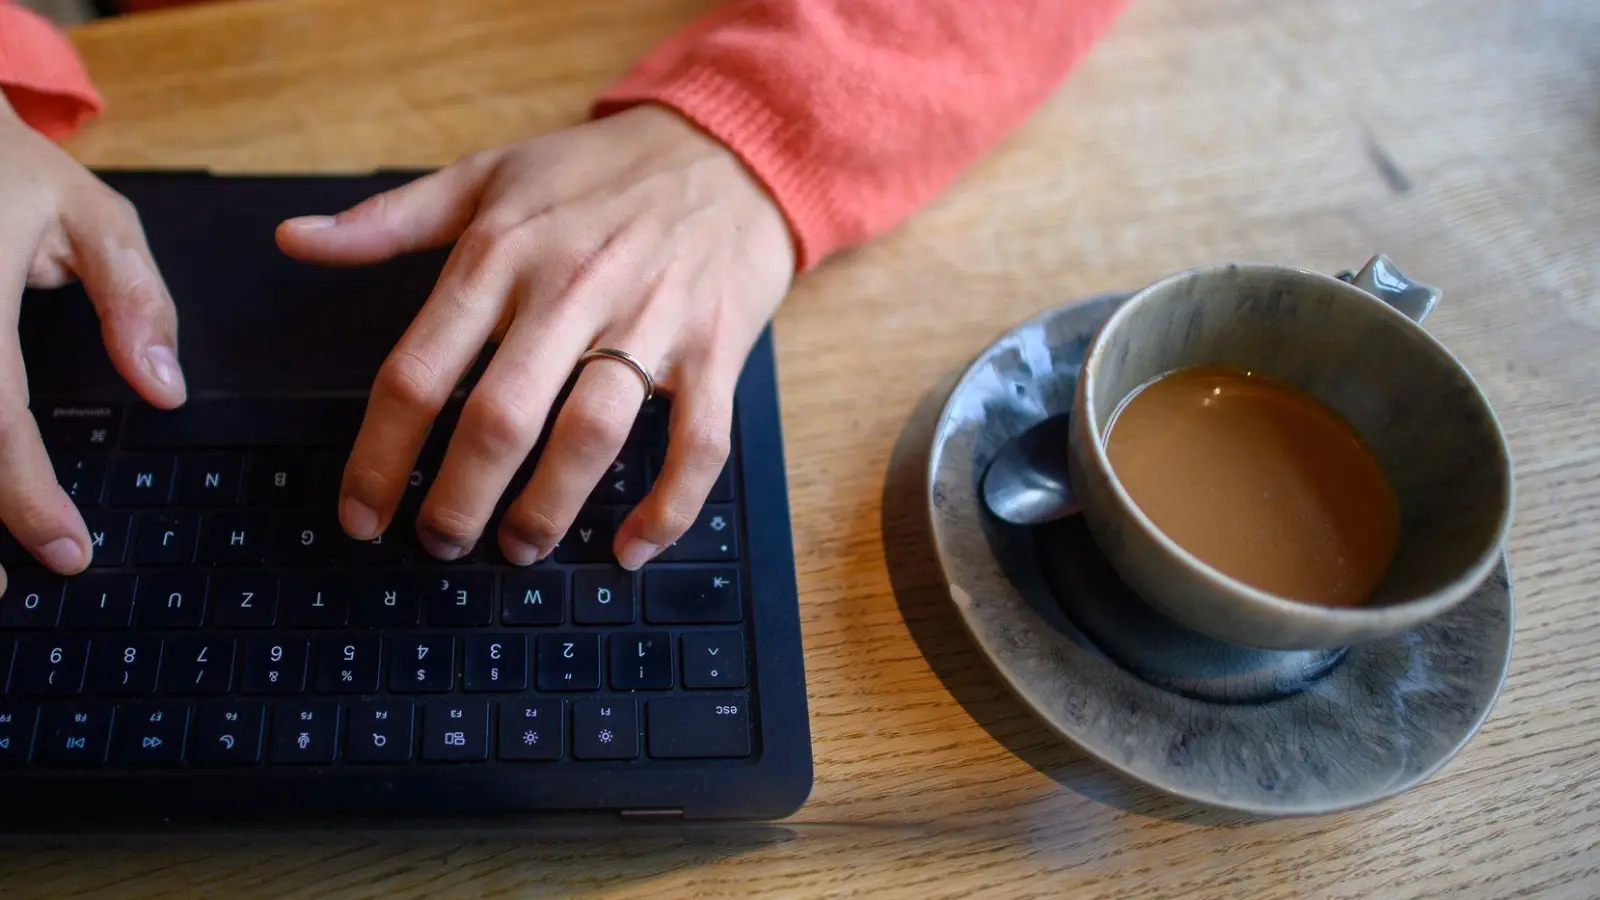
(635, 232)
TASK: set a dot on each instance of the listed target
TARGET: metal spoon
(1027, 484)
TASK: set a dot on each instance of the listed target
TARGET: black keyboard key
(108, 535)
(51, 666)
(455, 731)
(590, 537)
(713, 659)
(713, 537)
(536, 596)
(641, 660)
(568, 661)
(461, 599)
(721, 489)
(235, 538)
(11, 552)
(386, 600)
(348, 665)
(16, 732)
(281, 480)
(605, 728)
(199, 665)
(624, 483)
(603, 597)
(418, 482)
(125, 666)
(8, 647)
(274, 665)
(380, 732)
(699, 727)
(532, 730)
(152, 734)
(210, 480)
(691, 596)
(167, 539)
(245, 423)
(101, 600)
(172, 600)
(226, 734)
(74, 734)
(389, 549)
(244, 600)
(496, 662)
(315, 601)
(83, 478)
(142, 480)
(422, 664)
(32, 598)
(650, 428)
(305, 733)
(308, 539)
(80, 427)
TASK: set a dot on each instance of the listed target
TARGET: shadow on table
(931, 617)
(365, 861)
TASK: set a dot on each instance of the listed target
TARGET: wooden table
(1460, 136)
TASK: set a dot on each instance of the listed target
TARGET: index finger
(33, 507)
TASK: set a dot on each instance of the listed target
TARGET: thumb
(427, 213)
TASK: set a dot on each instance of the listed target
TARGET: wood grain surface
(1460, 136)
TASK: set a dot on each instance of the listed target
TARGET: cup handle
(1382, 279)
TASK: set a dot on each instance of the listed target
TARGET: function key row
(196, 665)
(378, 732)
(450, 598)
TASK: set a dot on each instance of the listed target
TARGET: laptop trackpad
(250, 319)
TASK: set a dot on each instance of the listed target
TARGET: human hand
(58, 221)
(633, 232)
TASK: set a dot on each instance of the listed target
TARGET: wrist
(736, 180)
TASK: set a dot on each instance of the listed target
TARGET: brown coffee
(1259, 480)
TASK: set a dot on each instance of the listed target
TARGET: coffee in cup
(1260, 481)
(1354, 483)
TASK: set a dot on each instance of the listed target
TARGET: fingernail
(310, 223)
(163, 364)
(636, 552)
(62, 555)
(520, 552)
(440, 546)
(360, 519)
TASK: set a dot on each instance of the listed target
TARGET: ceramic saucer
(1255, 731)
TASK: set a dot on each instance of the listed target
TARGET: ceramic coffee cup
(1356, 345)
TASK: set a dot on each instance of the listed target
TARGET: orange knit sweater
(854, 113)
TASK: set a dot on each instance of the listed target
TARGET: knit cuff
(42, 76)
(767, 145)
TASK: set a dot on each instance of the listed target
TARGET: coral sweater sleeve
(41, 74)
(855, 113)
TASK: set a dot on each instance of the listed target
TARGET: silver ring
(623, 356)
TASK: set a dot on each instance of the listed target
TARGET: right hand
(58, 221)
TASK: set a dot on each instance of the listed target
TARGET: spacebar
(244, 422)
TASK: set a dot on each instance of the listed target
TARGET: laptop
(232, 656)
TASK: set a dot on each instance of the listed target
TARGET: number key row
(354, 664)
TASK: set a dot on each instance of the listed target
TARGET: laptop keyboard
(228, 621)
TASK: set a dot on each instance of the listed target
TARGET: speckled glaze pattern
(1384, 717)
(1424, 417)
